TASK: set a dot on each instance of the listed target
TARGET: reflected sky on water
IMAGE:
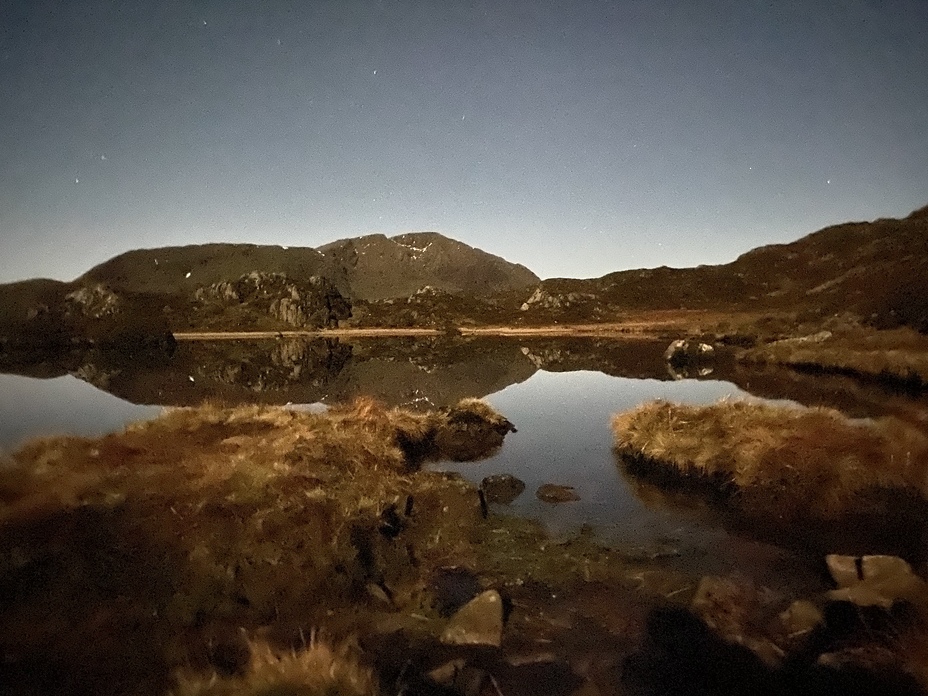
(564, 437)
(31, 407)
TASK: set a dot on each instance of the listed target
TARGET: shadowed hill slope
(876, 270)
(369, 267)
(378, 267)
(181, 270)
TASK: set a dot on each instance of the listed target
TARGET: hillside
(372, 267)
(182, 270)
(875, 271)
(378, 267)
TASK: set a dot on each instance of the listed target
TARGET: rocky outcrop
(311, 303)
(92, 301)
(48, 315)
(543, 299)
(686, 353)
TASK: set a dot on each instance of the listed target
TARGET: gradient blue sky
(576, 137)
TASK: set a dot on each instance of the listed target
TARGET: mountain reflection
(414, 371)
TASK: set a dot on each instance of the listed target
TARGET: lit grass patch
(318, 670)
(208, 519)
(898, 357)
(811, 461)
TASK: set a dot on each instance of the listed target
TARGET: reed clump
(319, 669)
(803, 461)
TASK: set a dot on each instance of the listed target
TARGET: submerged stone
(502, 488)
(799, 619)
(556, 493)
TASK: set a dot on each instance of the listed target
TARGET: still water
(560, 396)
(31, 407)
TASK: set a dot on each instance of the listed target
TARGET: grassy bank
(793, 463)
(127, 557)
(269, 550)
(897, 358)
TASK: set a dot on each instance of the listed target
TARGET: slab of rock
(874, 580)
(502, 488)
(556, 493)
(799, 619)
(479, 622)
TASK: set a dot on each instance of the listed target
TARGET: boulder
(685, 352)
(479, 622)
(502, 488)
(874, 580)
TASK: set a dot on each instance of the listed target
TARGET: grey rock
(685, 352)
(873, 580)
(92, 301)
(502, 488)
(479, 622)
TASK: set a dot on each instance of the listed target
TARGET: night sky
(576, 137)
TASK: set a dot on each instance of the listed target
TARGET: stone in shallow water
(799, 619)
(556, 493)
(502, 488)
(479, 622)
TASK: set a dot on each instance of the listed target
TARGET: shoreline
(633, 328)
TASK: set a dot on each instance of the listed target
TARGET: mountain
(873, 272)
(245, 286)
(373, 267)
(876, 271)
(379, 267)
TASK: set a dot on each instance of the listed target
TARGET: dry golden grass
(899, 356)
(317, 670)
(816, 459)
(207, 519)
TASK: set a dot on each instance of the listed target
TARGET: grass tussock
(317, 670)
(178, 531)
(808, 461)
(897, 358)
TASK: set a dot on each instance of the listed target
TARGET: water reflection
(64, 405)
(560, 394)
(564, 437)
